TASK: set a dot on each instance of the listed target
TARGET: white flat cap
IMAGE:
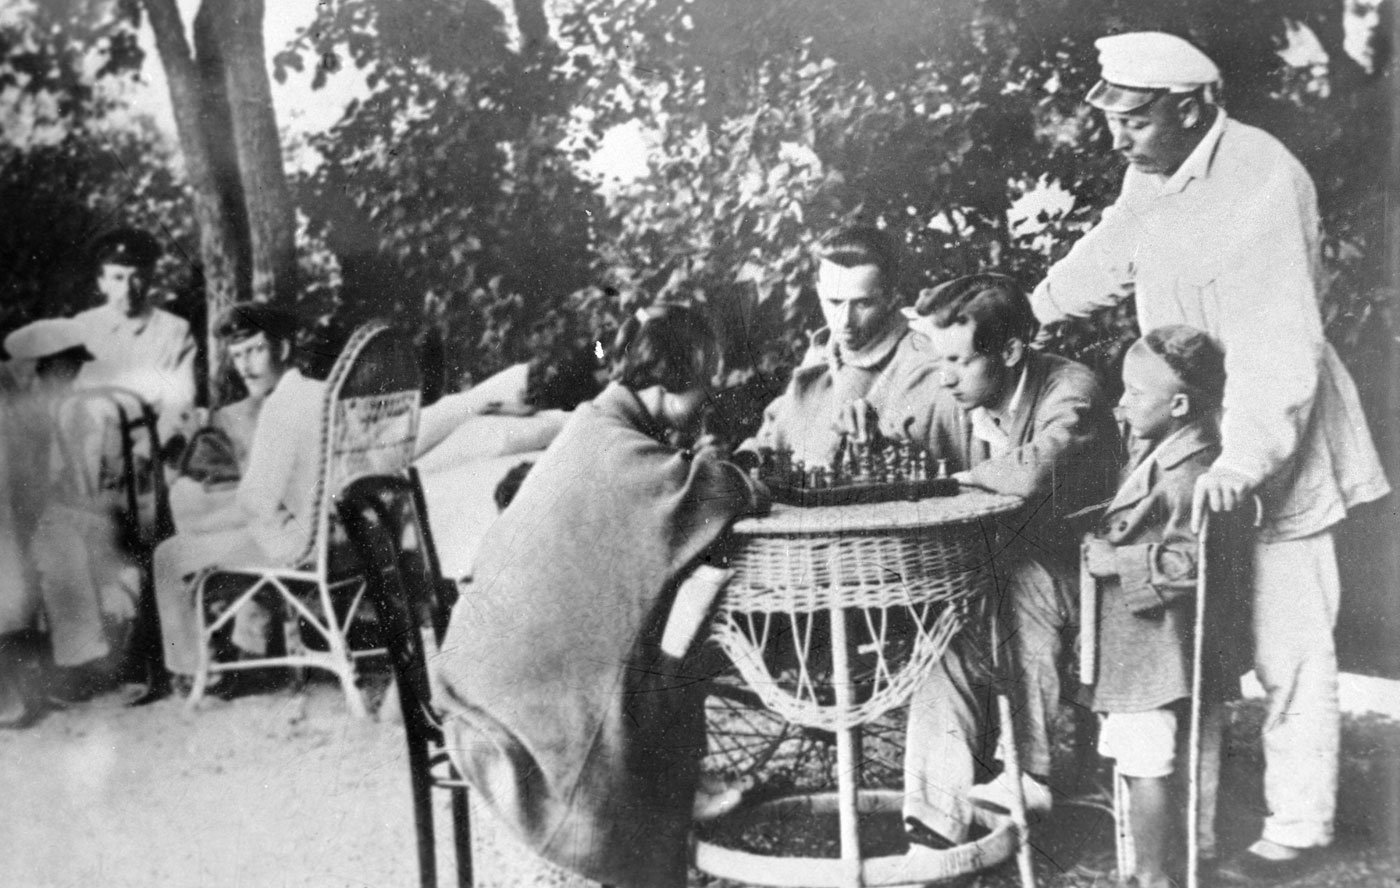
(1137, 67)
(43, 339)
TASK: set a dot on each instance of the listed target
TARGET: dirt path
(273, 790)
(285, 790)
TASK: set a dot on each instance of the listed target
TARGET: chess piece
(782, 465)
(904, 461)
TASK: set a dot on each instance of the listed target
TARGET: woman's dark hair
(851, 246)
(672, 346)
(564, 381)
(1195, 359)
(994, 304)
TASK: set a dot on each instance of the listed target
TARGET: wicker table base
(996, 846)
(930, 559)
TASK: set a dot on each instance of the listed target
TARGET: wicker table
(929, 560)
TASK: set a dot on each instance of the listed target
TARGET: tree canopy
(455, 196)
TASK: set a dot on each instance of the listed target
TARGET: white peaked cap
(1153, 60)
(41, 339)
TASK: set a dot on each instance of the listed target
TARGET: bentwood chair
(368, 425)
(110, 434)
(386, 520)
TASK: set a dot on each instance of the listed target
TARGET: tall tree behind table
(222, 100)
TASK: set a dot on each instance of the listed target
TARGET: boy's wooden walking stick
(1193, 749)
(1193, 783)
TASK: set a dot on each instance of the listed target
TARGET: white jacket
(1229, 244)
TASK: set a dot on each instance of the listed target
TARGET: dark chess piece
(843, 446)
(867, 461)
(902, 459)
(782, 465)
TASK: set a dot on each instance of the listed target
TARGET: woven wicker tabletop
(969, 505)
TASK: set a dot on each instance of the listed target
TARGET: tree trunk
(533, 25)
(258, 148)
(216, 121)
(218, 228)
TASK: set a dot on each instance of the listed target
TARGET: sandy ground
(273, 790)
(285, 789)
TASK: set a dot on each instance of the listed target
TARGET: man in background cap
(1216, 227)
(134, 344)
(270, 517)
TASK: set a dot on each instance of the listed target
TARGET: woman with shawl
(566, 716)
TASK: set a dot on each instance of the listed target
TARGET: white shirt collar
(114, 320)
(1197, 163)
(986, 428)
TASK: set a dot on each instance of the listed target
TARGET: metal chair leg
(421, 779)
(462, 836)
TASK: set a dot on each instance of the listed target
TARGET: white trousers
(1296, 591)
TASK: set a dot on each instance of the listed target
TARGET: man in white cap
(62, 517)
(1216, 227)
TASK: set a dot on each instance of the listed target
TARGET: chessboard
(861, 472)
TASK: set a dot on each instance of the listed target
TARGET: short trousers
(1142, 743)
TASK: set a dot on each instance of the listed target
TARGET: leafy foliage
(67, 173)
(774, 124)
(452, 198)
(448, 194)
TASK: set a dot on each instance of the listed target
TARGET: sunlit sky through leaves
(623, 152)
